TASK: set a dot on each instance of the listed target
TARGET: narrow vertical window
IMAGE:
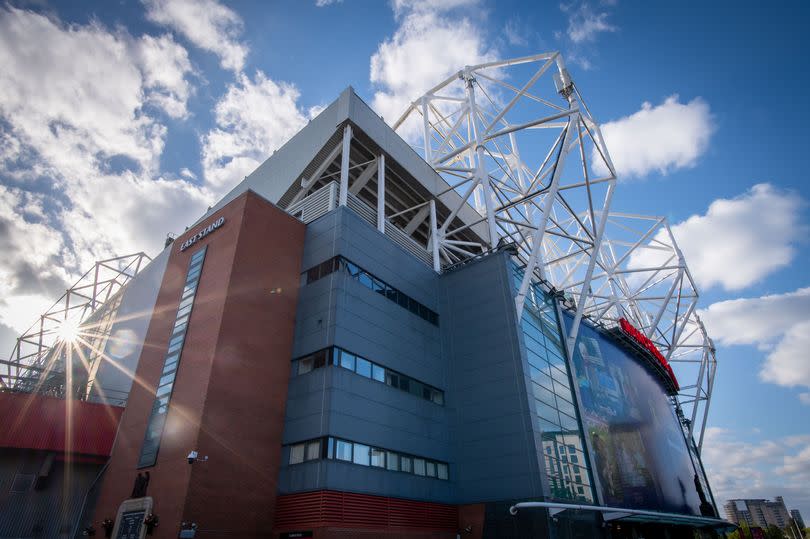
(171, 363)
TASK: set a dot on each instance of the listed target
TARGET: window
(367, 369)
(378, 373)
(171, 363)
(366, 455)
(363, 367)
(554, 412)
(361, 454)
(305, 365)
(371, 282)
(297, 453)
(346, 360)
(343, 450)
(430, 468)
(313, 450)
(377, 457)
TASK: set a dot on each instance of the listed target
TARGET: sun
(68, 330)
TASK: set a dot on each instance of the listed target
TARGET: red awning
(30, 421)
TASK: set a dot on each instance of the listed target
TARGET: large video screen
(638, 450)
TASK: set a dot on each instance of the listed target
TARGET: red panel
(38, 422)
(350, 510)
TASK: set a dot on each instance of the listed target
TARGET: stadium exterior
(362, 341)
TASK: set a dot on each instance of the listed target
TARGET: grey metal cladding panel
(366, 246)
(370, 412)
(320, 241)
(495, 450)
(343, 476)
(378, 329)
(314, 317)
(301, 477)
(134, 314)
(306, 415)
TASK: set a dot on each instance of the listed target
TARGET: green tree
(773, 532)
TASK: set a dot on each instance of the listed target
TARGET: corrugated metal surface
(37, 422)
(349, 510)
(49, 507)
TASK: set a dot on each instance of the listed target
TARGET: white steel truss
(34, 360)
(530, 158)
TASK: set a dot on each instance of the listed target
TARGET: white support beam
(381, 193)
(539, 233)
(586, 286)
(344, 165)
(417, 220)
(364, 177)
(434, 237)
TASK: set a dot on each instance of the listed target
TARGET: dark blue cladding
(639, 451)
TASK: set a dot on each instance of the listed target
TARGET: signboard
(636, 444)
(644, 341)
(202, 233)
(129, 527)
(296, 535)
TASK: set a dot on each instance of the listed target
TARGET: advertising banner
(638, 449)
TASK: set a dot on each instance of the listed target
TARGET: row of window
(552, 397)
(157, 419)
(366, 455)
(362, 366)
(371, 282)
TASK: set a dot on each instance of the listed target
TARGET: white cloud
(663, 138)
(324, 3)
(516, 33)
(404, 7)
(82, 151)
(428, 46)
(789, 363)
(779, 323)
(584, 24)
(253, 118)
(165, 65)
(756, 320)
(207, 24)
(740, 468)
(738, 241)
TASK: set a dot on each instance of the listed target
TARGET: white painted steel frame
(557, 211)
(31, 360)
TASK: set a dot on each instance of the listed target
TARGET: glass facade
(562, 452)
(371, 282)
(368, 369)
(366, 455)
(171, 363)
(639, 450)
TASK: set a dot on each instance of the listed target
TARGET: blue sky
(121, 121)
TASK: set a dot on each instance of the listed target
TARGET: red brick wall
(230, 390)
